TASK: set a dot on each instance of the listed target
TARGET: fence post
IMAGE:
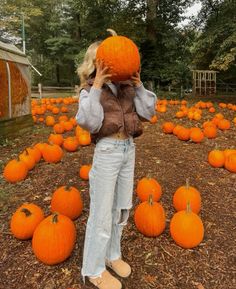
(40, 90)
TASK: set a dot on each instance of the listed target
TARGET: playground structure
(204, 82)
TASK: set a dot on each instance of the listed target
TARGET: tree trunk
(152, 6)
(58, 73)
(78, 27)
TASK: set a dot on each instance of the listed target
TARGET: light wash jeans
(111, 190)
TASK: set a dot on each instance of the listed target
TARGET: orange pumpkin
(28, 159)
(168, 127)
(84, 172)
(15, 171)
(224, 124)
(186, 228)
(216, 158)
(196, 135)
(147, 187)
(71, 144)
(84, 139)
(187, 194)
(149, 218)
(230, 162)
(67, 201)
(210, 132)
(58, 128)
(52, 153)
(50, 120)
(54, 239)
(35, 152)
(153, 120)
(121, 55)
(56, 139)
(183, 134)
(25, 220)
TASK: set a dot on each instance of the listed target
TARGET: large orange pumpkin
(120, 54)
(186, 228)
(54, 239)
(149, 218)
(67, 201)
(147, 187)
(187, 194)
(25, 220)
(15, 171)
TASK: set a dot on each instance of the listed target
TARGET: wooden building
(15, 90)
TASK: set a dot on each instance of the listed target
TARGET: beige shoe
(106, 281)
(120, 267)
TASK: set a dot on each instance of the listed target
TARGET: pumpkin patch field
(181, 229)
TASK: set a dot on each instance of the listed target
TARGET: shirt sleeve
(90, 113)
(145, 101)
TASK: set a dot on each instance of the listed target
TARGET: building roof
(11, 53)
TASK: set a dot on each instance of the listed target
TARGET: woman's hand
(136, 79)
(102, 74)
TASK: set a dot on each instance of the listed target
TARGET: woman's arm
(90, 113)
(145, 101)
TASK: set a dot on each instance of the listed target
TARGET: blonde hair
(87, 68)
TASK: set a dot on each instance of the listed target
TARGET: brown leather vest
(119, 111)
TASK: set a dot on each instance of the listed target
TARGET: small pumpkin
(210, 132)
(58, 128)
(186, 228)
(54, 239)
(50, 120)
(196, 135)
(52, 153)
(149, 218)
(84, 138)
(25, 220)
(224, 124)
(216, 158)
(168, 127)
(84, 172)
(183, 134)
(153, 120)
(147, 187)
(56, 138)
(71, 144)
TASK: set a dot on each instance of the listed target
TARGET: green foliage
(58, 33)
(215, 47)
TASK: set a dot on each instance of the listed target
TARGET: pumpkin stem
(187, 183)
(67, 187)
(55, 218)
(150, 199)
(188, 208)
(113, 33)
(26, 211)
